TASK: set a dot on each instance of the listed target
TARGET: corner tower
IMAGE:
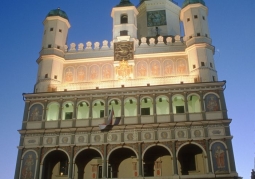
(158, 17)
(199, 48)
(50, 62)
(124, 20)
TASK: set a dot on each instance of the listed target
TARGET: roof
(124, 3)
(187, 2)
(58, 12)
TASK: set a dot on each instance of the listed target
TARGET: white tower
(158, 17)
(199, 49)
(51, 58)
(124, 21)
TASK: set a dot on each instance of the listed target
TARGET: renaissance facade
(163, 87)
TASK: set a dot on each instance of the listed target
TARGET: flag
(109, 121)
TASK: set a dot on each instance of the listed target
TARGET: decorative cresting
(124, 3)
(124, 70)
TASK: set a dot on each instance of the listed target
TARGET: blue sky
(231, 28)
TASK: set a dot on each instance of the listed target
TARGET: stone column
(105, 162)
(140, 161)
(208, 157)
(75, 107)
(138, 109)
(60, 117)
(223, 105)
(90, 110)
(25, 115)
(154, 108)
(106, 108)
(231, 155)
(18, 163)
(175, 158)
(201, 94)
(71, 163)
(186, 106)
(44, 117)
(171, 107)
(122, 110)
(38, 163)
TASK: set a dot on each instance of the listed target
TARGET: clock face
(156, 18)
(123, 51)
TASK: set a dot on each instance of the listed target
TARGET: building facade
(163, 87)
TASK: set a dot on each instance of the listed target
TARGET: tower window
(198, 34)
(190, 37)
(188, 19)
(123, 33)
(213, 77)
(60, 30)
(51, 29)
(203, 17)
(124, 19)
(49, 46)
(55, 77)
(195, 16)
(202, 64)
(206, 35)
(44, 32)
(211, 65)
(58, 47)
(46, 76)
(194, 66)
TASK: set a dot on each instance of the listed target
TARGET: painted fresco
(81, 74)
(28, 166)
(36, 112)
(107, 72)
(142, 69)
(212, 103)
(155, 68)
(219, 158)
(181, 67)
(94, 72)
(168, 68)
(69, 75)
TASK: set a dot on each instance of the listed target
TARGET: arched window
(212, 103)
(162, 104)
(36, 112)
(146, 106)
(178, 104)
(130, 107)
(194, 104)
(116, 106)
(83, 110)
(124, 19)
(52, 111)
(67, 112)
(98, 109)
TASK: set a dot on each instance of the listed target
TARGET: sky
(231, 29)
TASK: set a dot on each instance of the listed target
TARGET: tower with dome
(147, 104)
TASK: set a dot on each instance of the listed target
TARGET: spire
(124, 3)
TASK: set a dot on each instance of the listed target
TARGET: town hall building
(155, 92)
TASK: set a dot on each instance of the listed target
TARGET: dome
(187, 2)
(124, 3)
(57, 12)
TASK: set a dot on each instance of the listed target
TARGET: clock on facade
(156, 18)
(123, 51)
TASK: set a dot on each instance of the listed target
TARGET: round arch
(35, 112)
(153, 145)
(53, 111)
(116, 148)
(86, 148)
(187, 143)
(52, 150)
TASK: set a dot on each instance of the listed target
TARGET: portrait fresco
(147, 136)
(164, 135)
(36, 112)
(219, 158)
(107, 72)
(181, 67)
(142, 69)
(69, 74)
(155, 68)
(168, 68)
(28, 166)
(212, 103)
(94, 72)
(156, 18)
(81, 73)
